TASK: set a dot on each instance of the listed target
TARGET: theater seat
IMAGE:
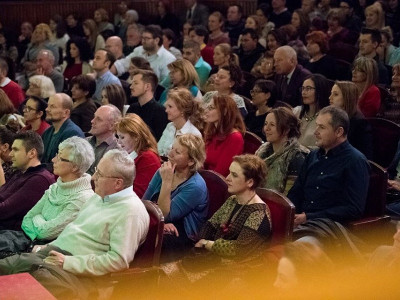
(251, 143)
(282, 215)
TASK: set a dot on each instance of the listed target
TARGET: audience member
(34, 111)
(333, 182)
(250, 50)
(134, 137)
(115, 46)
(59, 32)
(320, 62)
(152, 50)
(275, 39)
(215, 26)
(77, 58)
(199, 34)
(101, 18)
(114, 94)
(263, 13)
(183, 75)
(11, 88)
(315, 93)
(21, 192)
(374, 16)
(166, 17)
(119, 15)
(223, 133)
(264, 68)
(282, 153)
(60, 204)
(353, 21)
(263, 96)
(169, 40)
(58, 113)
(132, 38)
(242, 226)
(137, 63)
(301, 21)
(45, 62)
(82, 248)
(103, 133)
(227, 81)
(7, 136)
(290, 75)
(234, 24)
(196, 13)
(191, 52)
(41, 86)
(103, 61)
(252, 22)
(369, 42)
(24, 39)
(181, 194)
(365, 76)
(94, 38)
(74, 25)
(386, 49)
(185, 115)
(83, 108)
(153, 113)
(131, 18)
(344, 95)
(8, 115)
(280, 14)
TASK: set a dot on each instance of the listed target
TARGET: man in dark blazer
(290, 75)
(195, 13)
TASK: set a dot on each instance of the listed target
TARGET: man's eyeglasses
(99, 174)
(28, 108)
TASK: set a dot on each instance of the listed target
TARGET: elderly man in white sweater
(102, 239)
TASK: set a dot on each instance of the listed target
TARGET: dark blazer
(293, 94)
(199, 15)
(360, 134)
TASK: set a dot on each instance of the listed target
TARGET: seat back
(376, 198)
(385, 138)
(148, 254)
(282, 215)
(251, 143)
(217, 190)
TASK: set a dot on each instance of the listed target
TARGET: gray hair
(47, 88)
(290, 53)
(114, 114)
(81, 153)
(49, 55)
(124, 165)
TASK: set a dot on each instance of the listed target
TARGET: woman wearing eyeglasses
(181, 194)
(315, 93)
(61, 203)
(134, 137)
(35, 115)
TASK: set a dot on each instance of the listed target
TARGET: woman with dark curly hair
(77, 58)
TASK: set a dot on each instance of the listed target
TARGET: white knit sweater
(58, 207)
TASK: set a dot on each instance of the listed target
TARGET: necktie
(284, 87)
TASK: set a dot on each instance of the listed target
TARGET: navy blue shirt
(332, 185)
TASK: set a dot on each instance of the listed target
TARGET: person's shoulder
(71, 129)
(149, 155)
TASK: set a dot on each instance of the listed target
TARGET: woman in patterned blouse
(242, 225)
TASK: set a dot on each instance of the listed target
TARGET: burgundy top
(72, 71)
(370, 102)
(43, 126)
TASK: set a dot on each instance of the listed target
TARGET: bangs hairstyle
(189, 74)
(81, 153)
(133, 125)
(370, 68)
(253, 168)
(230, 119)
(235, 74)
(186, 104)
(320, 38)
(196, 149)
(322, 92)
(86, 83)
(350, 96)
(287, 124)
(267, 86)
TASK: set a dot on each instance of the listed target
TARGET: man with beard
(152, 50)
(58, 112)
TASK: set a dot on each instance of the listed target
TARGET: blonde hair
(133, 125)
(191, 108)
(196, 149)
(377, 9)
(46, 29)
(94, 32)
(370, 68)
(350, 96)
(189, 74)
(226, 49)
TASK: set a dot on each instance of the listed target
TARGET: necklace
(310, 118)
(228, 224)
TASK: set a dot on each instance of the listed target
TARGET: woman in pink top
(365, 76)
(223, 133)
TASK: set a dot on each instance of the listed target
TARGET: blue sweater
(189, 201)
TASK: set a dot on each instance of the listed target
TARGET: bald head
(104, 121)
(285, 59)
(114, 45)
(58, 108)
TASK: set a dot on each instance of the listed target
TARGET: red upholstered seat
(251, 143)
(282, 215)
(217, 190)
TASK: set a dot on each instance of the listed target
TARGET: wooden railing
(13, 13)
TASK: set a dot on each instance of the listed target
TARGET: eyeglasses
(98, 174)
(252, 92)
(28, 108)
(306, 89)
(61, 159)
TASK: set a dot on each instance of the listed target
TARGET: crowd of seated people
(144, 104)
